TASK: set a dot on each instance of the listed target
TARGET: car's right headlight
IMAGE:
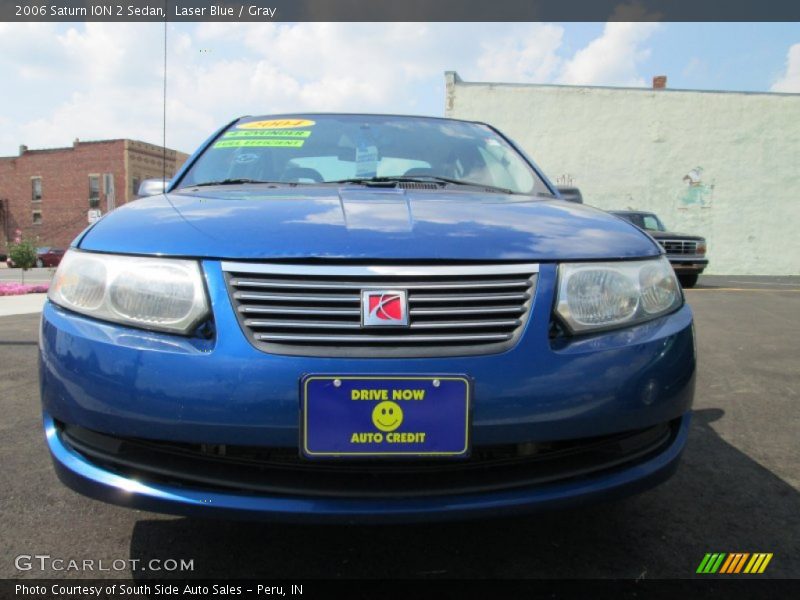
(164, 294)
(604, 295)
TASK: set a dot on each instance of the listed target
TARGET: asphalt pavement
(737, 489)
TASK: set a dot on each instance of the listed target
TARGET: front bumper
(90, 479)
(137, 384)
(688, 264)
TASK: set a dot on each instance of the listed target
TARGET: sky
(93, 81)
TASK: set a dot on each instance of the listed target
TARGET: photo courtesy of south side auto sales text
(126, 590)
(119, 10)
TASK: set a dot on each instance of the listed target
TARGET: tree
(22, 252)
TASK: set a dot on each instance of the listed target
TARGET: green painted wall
(720, 164)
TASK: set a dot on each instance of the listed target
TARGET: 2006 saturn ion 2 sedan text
(363, 317)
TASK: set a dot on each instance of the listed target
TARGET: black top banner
(398, 10)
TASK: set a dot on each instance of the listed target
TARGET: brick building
(48, 193)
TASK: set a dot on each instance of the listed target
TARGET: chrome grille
(315, 310)
(679, 246)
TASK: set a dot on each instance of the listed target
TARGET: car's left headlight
(605, 295)
(164, 294)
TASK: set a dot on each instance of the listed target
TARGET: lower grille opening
(281, 471)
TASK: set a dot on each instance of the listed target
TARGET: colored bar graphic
(751, 564)
(765, 563)
(758, 563)
(741, 562)
(729, 563)
(734, 563)
(711, 563)
(717, 562)
(703, 564)
(732, 558)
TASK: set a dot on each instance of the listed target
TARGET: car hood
(252, 222)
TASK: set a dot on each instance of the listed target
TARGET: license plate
(385, 416)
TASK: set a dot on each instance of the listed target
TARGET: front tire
(39, 263)
(688, 281)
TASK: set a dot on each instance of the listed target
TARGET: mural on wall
(696, 193)
(565, 179)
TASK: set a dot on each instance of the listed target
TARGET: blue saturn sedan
(367, 318)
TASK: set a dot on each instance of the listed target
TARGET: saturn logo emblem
(382, 308)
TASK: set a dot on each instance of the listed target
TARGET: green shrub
(22, 251)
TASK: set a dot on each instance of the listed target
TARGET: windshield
(319, 149)
(646, 221)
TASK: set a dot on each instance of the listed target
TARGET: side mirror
(152, 187)
(570, 194)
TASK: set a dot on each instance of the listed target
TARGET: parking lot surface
(737, 489)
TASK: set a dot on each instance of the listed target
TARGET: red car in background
(46, 256)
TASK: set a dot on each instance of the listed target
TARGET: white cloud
(790, 80)
(611, 59)
(528, 55)
(104, 80)
(90, 81)
(21, 52)
(696, 68)
(354, 66)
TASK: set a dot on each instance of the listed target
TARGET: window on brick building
(36, 189)
(94, 191)
(108, 188)
(37, 217)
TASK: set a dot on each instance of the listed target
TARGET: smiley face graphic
(387, 416)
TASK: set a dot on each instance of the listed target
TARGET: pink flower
(18, 289)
